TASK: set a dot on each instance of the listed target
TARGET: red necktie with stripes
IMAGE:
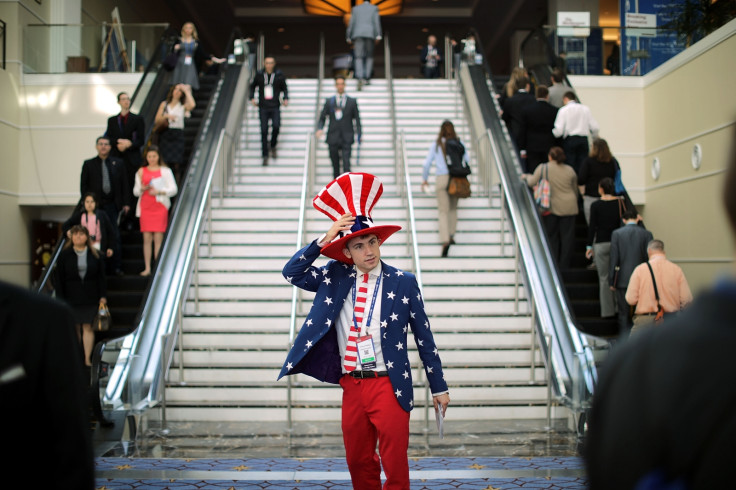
(351, 350)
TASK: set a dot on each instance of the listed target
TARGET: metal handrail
(308, 173)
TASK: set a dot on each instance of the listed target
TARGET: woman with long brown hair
(80, 282)
(446, 204)
(178, 105)
(599, 165)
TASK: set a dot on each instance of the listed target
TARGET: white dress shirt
(575, 119)
(345, 320)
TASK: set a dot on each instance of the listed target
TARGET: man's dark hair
(570, 95)
(340, 77)
(103, 137)
(557, 76)
(630, 214)
(522, 82)
(542, 92)
(121, 94)
(606, 184)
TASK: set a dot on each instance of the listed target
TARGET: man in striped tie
(356, 332)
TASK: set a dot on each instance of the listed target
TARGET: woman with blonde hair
(154, 186)
(446, 204)
(191, 57)
(80, 281)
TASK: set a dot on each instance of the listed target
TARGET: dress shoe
(265, 161)
(274, 153)
(367, 81)
(360, 85)
(452, 240)
(445, 249)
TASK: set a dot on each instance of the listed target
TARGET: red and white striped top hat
(355, 193)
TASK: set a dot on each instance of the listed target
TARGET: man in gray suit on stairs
(364, 31)
(341, 111)
(628, 250)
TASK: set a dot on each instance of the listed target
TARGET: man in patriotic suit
(356, 332)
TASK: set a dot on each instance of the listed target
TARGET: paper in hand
(157, 183)
(440, 421)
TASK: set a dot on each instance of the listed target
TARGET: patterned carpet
(430, 473)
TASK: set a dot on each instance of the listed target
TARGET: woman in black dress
(80, 282)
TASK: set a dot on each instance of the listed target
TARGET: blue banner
(641, 51)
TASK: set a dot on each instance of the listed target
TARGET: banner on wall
(643, 46)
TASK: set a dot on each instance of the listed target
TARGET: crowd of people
(550, 132)
(128, 186)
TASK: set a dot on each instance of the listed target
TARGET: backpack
(454, 157)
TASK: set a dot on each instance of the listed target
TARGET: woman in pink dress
(154, 186)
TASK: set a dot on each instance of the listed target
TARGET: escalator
(581, 282)
(127, 294)
(569, 354)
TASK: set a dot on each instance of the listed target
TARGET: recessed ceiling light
(280, 29)
(425, 29)
(286, 47)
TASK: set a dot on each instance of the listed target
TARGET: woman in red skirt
(154, 186)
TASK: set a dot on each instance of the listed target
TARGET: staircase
(235, 332)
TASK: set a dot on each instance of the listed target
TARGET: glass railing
(601, 50)
(76, 48)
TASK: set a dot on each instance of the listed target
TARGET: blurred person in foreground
(663, 413)
(44, 394)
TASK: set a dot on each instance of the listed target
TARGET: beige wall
(662, 115)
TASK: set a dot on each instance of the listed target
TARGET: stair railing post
(180, 341)
(516, 278)
(550, 339)
(533, 346)
(196, 277)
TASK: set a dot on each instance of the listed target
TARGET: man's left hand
(441, 401)
(126, 209)
(124, 144)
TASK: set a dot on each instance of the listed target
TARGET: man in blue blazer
(377, 379)
(341, 111)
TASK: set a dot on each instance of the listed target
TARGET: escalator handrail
(139, 385)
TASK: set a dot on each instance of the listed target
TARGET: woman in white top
(446, 204)
(177, 106)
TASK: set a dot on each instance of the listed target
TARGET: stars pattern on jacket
(315, 351)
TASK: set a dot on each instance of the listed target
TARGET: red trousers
(370, 415)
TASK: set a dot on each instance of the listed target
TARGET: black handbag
(170, 60)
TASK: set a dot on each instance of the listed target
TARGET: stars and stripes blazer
(315, 351)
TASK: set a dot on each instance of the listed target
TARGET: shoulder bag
(660, 311)
(542, 191)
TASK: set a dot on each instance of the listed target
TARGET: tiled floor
(500, 455)
(432, 473)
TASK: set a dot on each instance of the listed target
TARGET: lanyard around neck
(366, 320)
